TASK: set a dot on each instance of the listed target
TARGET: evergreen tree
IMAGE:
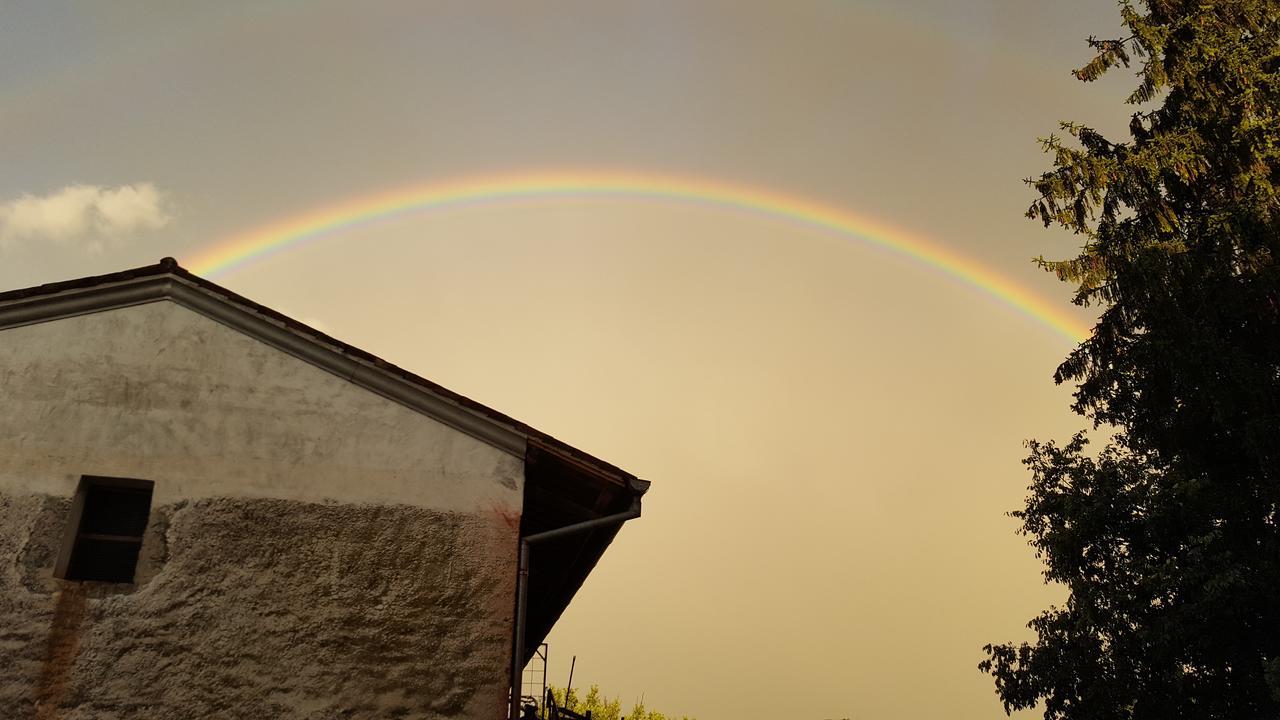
(1166, 540)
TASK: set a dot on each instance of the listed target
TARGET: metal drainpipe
(522, 582)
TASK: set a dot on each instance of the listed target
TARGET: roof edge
(59, 302)
(167, 280)
(353, 369)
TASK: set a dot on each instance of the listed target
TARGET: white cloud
(91, 213)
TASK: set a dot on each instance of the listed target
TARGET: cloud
(92, 213)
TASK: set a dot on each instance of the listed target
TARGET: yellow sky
(833, 433)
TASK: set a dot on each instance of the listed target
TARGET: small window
(108, 519)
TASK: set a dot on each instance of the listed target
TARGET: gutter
(638, 488)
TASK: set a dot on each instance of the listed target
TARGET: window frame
(73, 533)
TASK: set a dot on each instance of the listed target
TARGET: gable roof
(563, 485)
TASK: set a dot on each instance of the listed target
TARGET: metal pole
(569, 688)
(522, 590)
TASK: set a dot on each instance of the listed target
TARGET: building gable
(159, 390)
(536, 482)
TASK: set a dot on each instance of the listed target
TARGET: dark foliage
(1167, 538)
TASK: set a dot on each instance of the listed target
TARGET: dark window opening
(108, 519)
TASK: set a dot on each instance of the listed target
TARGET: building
(208, 509)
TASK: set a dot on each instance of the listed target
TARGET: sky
(833, 428)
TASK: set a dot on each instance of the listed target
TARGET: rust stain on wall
(506, 517)
(61, 651)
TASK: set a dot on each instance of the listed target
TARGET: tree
(1166, 539)
(602, 708)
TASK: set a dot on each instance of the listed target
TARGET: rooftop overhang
(561, 491)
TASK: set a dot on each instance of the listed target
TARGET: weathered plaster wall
(160, 392)
(315, 550)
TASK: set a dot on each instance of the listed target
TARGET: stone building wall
(314, 550)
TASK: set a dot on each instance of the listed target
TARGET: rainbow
(240, 250)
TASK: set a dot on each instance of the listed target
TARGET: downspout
(638, 487)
